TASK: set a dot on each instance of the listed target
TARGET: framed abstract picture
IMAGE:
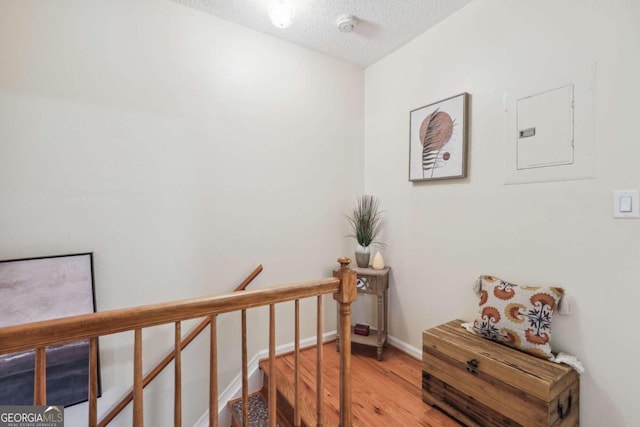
(438, 140)
(46, 288)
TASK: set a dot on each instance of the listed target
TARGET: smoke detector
(347, 23)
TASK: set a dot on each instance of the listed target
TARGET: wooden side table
(374, 282)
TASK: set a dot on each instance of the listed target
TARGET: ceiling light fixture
(281, 13)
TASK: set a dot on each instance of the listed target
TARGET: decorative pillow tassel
(570, 360)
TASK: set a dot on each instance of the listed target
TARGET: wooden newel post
(345, 296)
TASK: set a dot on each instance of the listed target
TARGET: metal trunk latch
(472, 366)
(561, 411)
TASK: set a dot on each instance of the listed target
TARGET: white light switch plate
(626, 204)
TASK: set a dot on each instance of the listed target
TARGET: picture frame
(45, 288)
(438, 140)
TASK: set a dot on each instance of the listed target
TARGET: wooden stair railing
(181, 344)
(39, 335)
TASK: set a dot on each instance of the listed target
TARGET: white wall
(442, 235)
(182, 150)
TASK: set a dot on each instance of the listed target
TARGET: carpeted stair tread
(258, 411)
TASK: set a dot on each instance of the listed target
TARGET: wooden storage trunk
(482, 383)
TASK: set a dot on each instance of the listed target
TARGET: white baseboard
(409, 349)
(234, 389)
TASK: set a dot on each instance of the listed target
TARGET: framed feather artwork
(438, 140)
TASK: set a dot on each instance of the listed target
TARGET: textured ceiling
(384, 25)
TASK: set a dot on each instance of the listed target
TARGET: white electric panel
(545, 129)
(549, 132)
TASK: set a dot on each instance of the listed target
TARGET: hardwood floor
(385, 393)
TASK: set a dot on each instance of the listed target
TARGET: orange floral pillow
(518, 316)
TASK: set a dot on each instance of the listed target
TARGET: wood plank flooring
(385, 393)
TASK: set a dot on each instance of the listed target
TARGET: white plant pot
(363, 253)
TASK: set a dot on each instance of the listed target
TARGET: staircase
(285, 392)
